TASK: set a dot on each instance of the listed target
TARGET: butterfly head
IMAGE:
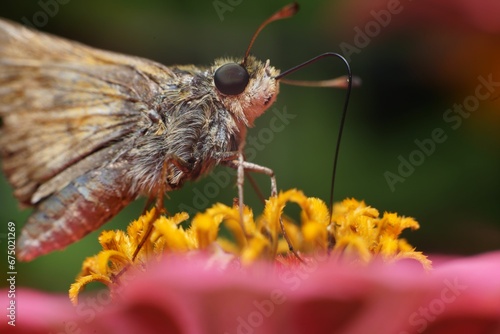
(246, 89)
(249, 86)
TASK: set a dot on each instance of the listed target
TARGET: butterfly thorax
(189, 127)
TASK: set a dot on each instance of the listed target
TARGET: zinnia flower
(354, 275)
(355, 233)
(183, 294)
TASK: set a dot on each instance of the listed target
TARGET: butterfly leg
(159, 209)
(241, 166)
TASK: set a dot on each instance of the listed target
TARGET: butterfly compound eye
(231, 79)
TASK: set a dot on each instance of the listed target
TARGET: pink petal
(483, 15)
(36, 312)
(181, 296)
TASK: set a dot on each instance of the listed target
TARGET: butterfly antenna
(284, 13)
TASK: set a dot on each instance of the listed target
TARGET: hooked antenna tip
(290, 9)
(285, 12)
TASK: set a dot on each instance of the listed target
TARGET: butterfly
(85, 132)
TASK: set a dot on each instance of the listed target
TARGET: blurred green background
(414, 68)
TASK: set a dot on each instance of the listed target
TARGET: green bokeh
(453, 194)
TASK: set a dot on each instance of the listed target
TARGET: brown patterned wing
(68, 113)
(61, 101)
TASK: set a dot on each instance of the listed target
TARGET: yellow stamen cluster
(355, 232)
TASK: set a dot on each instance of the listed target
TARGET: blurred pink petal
(181, 296)
(483, 15)
(37, 312)
(453, 42)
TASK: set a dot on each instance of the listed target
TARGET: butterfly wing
(68, 114)
(61, 101)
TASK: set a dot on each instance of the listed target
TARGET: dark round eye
(231, 79)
